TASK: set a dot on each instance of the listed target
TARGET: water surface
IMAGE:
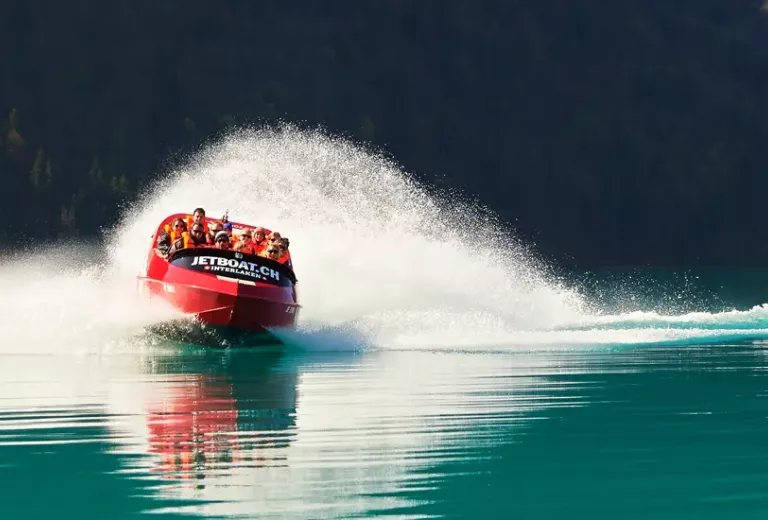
(662, 432)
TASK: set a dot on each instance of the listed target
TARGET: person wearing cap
(226, 224)
(222, 240)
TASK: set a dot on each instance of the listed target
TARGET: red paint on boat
(220, 287)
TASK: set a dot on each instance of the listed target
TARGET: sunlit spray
(71, 300)
(380, 260)
(374, 252)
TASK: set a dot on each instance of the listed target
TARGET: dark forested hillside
(608, 131)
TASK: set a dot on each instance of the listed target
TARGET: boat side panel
(226, 309)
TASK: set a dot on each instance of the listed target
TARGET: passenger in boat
(272, 252)
(245, 244)
(163, 243)
(198, 217)
(227, 225)
(222, 240)
(176, 229)
(274, 238)
(214, 227)
(259, 240)
(285, 255)
(195, 238)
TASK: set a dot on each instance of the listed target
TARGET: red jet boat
(226, 291)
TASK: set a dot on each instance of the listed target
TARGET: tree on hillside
(40, 175)
(14, 140)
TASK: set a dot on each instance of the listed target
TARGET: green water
(645, 432)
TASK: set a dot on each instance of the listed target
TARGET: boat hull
(230, 294)
(228, 304)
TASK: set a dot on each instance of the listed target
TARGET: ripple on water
(385, 433)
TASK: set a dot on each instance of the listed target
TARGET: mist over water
(69, 300)
(380, 260)
(374, 252)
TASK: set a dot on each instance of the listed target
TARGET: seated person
(272, 252)
(214, 227)
(226, 224)
(245, 244)
(222, 240)
(176, 229)
(259, 241)
(195, 238)
(163, 243)
(285, 255)
(198, 217)
(273, 238)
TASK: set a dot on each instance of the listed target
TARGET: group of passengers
(196, 231)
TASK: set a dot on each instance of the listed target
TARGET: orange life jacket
(185, 241)
(174, 236)
(245, 248)
(188, 242)
(258, 247)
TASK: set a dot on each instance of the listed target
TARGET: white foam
(367, 241)
(380, 261)
(67, 302)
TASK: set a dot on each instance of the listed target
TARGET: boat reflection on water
(220, 412)
(195, 430)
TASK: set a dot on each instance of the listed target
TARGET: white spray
(374, 252)
(379, 259)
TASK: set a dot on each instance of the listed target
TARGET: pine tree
(67, 222)
(15, 143)
(95, 175)
(119, 187)
(47, 173)
(37, 173)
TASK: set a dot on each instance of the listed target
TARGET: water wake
(374, 251)
(381, 262)
(62, 302)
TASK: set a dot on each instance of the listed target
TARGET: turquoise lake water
(658, 432)
(639, 414)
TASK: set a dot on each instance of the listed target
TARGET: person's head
(198, 215)
(274, 238)
(179, 226)
(197, 232)
(246, 236)
(258, 234)
(273, 252)
(222, 240)
(283, 245)
(214, 227)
